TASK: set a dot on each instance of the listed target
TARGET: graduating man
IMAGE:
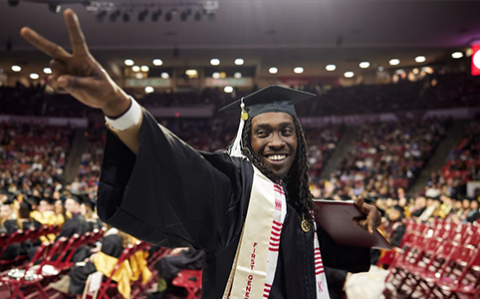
(249, 209)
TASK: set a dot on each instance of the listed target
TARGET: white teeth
(276, 157)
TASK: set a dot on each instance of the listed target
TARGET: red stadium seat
(191, 280)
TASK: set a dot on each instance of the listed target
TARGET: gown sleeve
(168, 194)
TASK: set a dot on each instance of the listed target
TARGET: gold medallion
(305, 225)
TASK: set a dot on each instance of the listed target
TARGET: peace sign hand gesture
(79, 74)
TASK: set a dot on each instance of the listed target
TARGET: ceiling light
(144, 68)
(136, 68)
(216, 75)
(349, 74)
(273, 70)
(237, 75)
(16, 68)
(165, 75)
(139, 75)
(157, 62)
(298, 70)
(457, 55)
(239, 61)
(191, 72)
(394, 61)
(34, 76)
(331, 67)
(364, 65)
(47, 70)
(126, 17)
(416, 71)
(399, 72)
(215, 61)
(228, 89)
(129, 62)
(149, 89)
(420, 59)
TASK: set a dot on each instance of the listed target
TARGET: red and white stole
(255, 264)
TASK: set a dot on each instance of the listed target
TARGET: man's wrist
(128, 118)
(115, 108)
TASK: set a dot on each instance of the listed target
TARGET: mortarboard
(89, 202)
(49, 200)
(33, 200)
(76, 197)
(268, 99)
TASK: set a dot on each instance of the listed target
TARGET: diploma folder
(335, 218)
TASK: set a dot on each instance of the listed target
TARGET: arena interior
(395, 120)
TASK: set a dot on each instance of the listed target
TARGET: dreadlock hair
(296, 180)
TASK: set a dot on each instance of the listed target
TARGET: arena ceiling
(265, 32)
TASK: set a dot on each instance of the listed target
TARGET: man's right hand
(78, 73)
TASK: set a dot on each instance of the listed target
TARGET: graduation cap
(26, 205)
(49, 200)
(269, 99)
(76, 197)
(33, 200)
(89, 202)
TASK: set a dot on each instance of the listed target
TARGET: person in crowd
(474, 213)
(9, 225)
(60, 213)
(432, 210)
(103, 261)
(396, 228)
(177, 260)
(77, 224)
(446, 207)
(45, 213)
(419, 208)
(88, 211)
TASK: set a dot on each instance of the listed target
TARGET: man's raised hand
(78, 73)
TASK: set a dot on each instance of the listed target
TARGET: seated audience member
(88, 211)
(474, 213)
(25, 219)
(396, 227)
(420, 206)
(112, 246)
(169, 266)
(76, 224)
(432, 209)
(60, 213)
(9, 225)
(463, 213)
(45, 213)
(446, 207)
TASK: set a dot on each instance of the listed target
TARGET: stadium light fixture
(228, 89)
(457, 55)
(47, 70)
(149, 89)
(165, 75)
(394, 61)
(364, 65)
(237, 75)
(216, 75)
(157, 62)
(136, 68)
(273, 70)
(298, 70)
(191, 72)
(16, 68)
(215, 61)
(349, 74)
(129, 62)
(331, 67)
(144, 68)
(34, 76)
(239, 61)
(420, 59)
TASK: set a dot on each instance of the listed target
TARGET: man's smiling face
(274, 140)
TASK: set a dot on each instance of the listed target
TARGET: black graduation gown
(112, 246)
(75, 225)
(169, 266)
(172, 195)
(12, 251)
(94, 224)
